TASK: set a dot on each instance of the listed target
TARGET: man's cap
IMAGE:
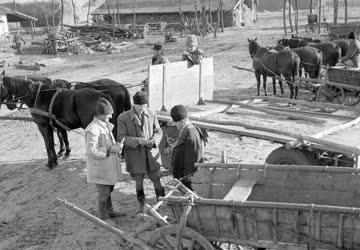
(178, 113)
(103, 107)
(140, 98)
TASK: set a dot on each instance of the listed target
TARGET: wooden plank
(240, 190)
(335, 129)
(266, 111)
(307, 103)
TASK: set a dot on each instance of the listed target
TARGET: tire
(171, 231)
(283, 156)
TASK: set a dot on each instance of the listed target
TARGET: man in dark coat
(352, 57)
(189, 147)
(141, 132)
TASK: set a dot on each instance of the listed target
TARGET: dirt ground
(29, 216)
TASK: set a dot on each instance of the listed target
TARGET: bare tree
(74, 11)
(196, 18)
(210, 15)
(53, 14)
(88, 13)
(346, 10)
(182, 22)
(290, 21)
(62, 15)
(336, 6)
(118, 10)
(217, 20)
(284, 17)
(134, 12)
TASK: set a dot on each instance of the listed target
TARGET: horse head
(17, 90)
(253, 47)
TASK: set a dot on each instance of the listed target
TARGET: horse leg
(66, 141)
(257, 75)
(281, 88)
(274, 86)
(61, 141)
(48, 135)
(264, 84)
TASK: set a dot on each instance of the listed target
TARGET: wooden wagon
(342, 30)
(267, 206)
(340, 86)
(271, 206)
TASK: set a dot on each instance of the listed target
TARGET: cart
(267, 206)
(342, 30)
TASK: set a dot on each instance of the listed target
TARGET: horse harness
(49, 113)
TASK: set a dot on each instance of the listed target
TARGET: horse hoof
(67, 154)
(60, 154)
(50, 165)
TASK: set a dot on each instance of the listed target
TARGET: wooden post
(62, 15)
(310, 7)
(284, 17)
(346, 10)
(203, 18)
(181, 19)
(74, 11)
(35, 13)
(320, 3)
(290, 19)
(336, 6)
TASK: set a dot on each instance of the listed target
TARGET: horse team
(53, 107)
(291, 57)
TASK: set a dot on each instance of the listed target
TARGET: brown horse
(331, 52)
(71, 108)
(274, 64)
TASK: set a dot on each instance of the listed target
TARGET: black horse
(310, 60)
(118, 93)
(331, 52)
(71, 108)
(293, 43)
(283, 63)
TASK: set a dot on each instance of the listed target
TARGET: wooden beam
(308, 104)
(103, 224)
(338, 128)
(267, 111)
(284, 17)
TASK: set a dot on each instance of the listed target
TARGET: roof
(15, 16)
(160, 6)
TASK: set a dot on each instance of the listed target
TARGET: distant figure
(192, 54)
(17, 42)
(352, 57)
(159, 55)
(158, 58)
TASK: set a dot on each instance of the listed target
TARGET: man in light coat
(141, 132)
(102, 157)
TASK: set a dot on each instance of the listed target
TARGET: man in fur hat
(141, 132)
(102, 157)
(188, 148)
(192, 54)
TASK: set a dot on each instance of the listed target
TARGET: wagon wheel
(165, 238)
(330, 94)
(352, 98)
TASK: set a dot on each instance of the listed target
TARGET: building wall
(170, 18)
(3, 26)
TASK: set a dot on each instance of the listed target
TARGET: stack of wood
(156, 28)
(113, 31)
(139, 31)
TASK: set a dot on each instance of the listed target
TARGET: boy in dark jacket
(189, 147)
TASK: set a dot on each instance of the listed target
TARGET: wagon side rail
(271, 224)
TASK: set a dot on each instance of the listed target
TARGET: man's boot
(110, 210)
(141, 198)
(102, 210)
(159, 192)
